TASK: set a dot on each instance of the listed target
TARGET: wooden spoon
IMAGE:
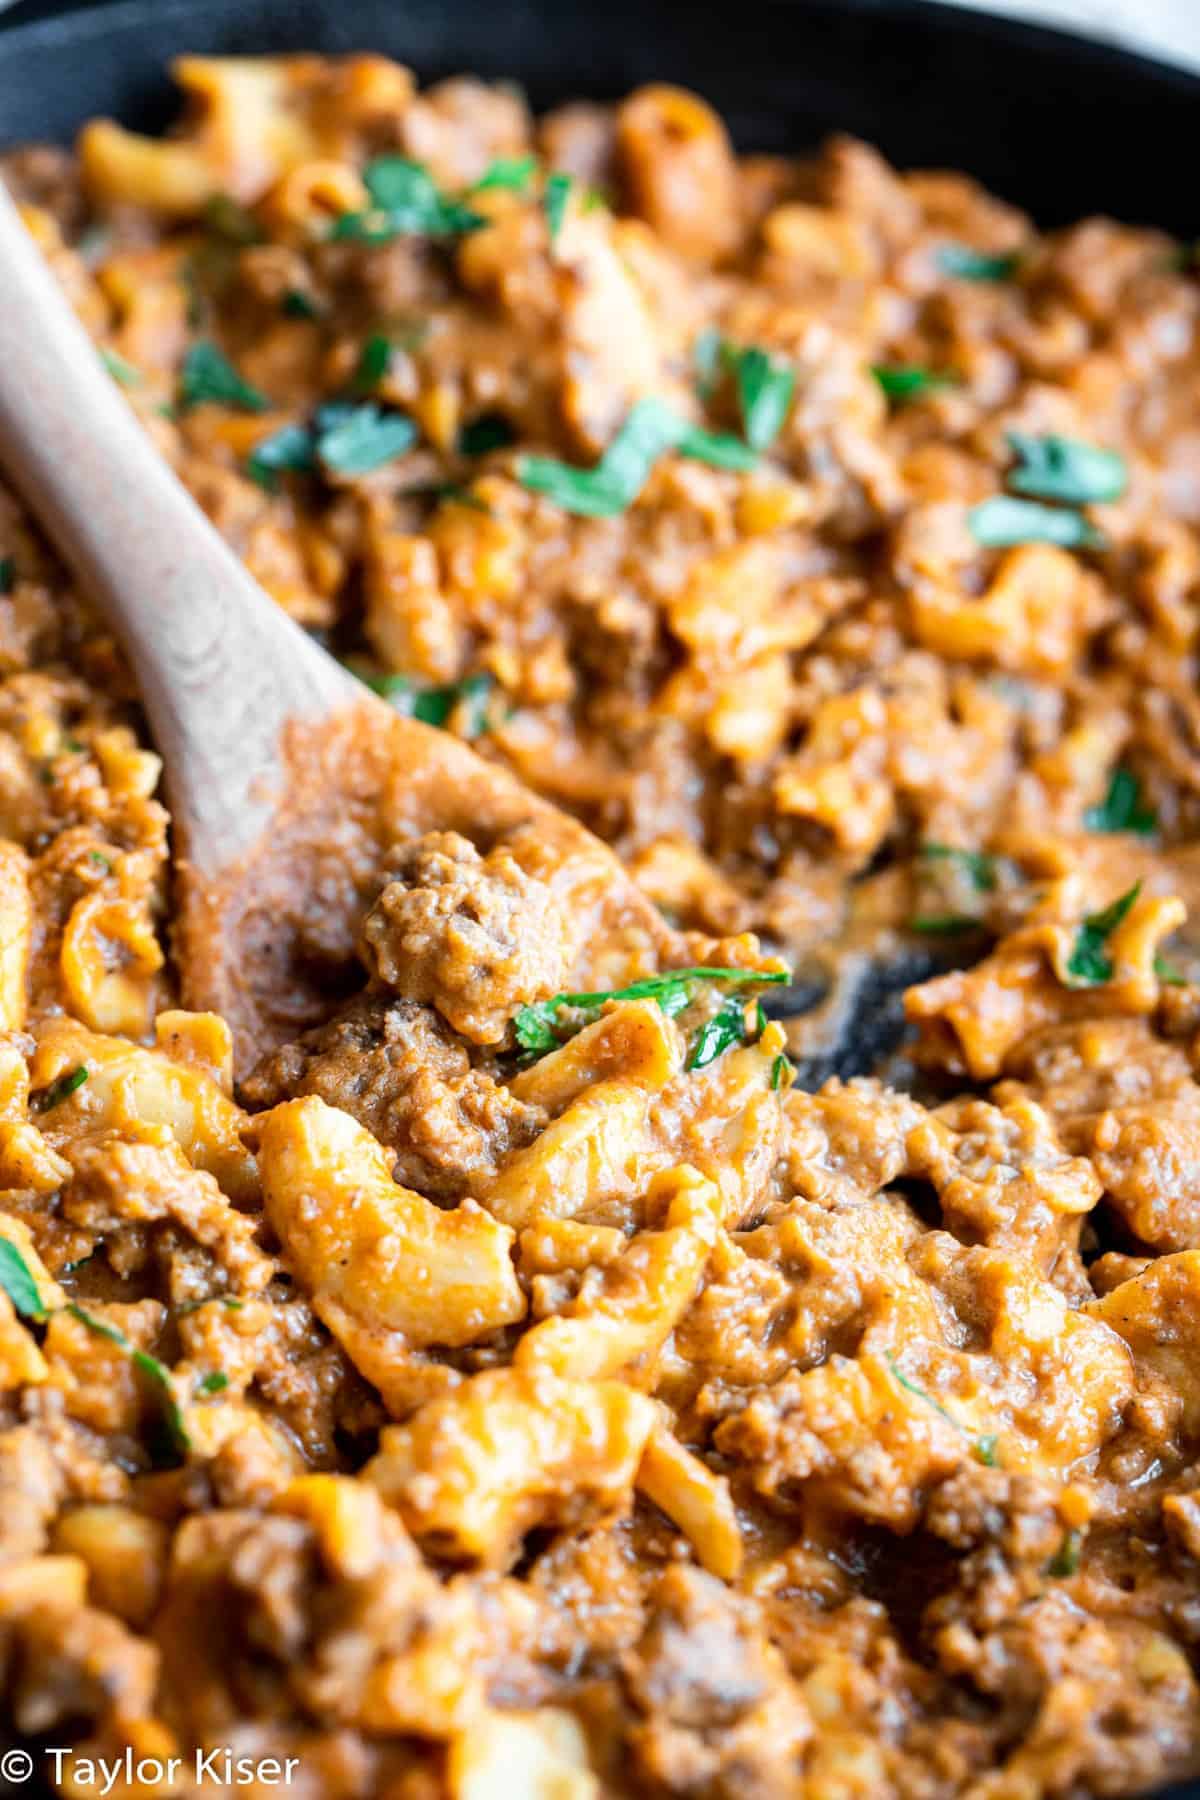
(288, 781)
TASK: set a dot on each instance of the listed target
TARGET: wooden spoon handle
(219, 667)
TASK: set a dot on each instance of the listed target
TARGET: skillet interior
(1058, 125)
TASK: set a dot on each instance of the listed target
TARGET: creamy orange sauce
(419, 1359)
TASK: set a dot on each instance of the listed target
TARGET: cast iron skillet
(1058, 125)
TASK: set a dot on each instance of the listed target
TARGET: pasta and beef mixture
(513, 1389)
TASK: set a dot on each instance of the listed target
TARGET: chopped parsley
(188, 1307)
(296, 304)
(904, 382)
(491, 431)
(983, 1448)
(8, 574)
(354, 440)
(535, 1025)
(765, 383)
(979, 867)
(156, 1373)
(215, 1383)
(718, 1034)
(1122, 808)
(614, 483)
(16, 1279)
(405, 202)
(208, 375)
(290, 449)
(512, 172)
(765, 386)
(468, 698)
(966, 264)
(555, 201)
(1061, 468)
(372, 363)
(229, 219)
(344, 438)
(59, 1090)
(1065, 1560)
(18, 1283)
(98, 1327)
(1002, 522)
(122, 372)
(1089, 963)
(706, 359)
(781, 1069)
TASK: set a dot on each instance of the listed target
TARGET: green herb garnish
(779, 1070)
(187, 1307)
(353, 440)
(215, 1383)
(1001, 522)
(718, 1034)
(16, 1279)
(706, 359)
(98, 1327)
(1122, 808)
(436, 705)
(1061, 468)
(122, 372)
(902, 383)
(977, 864)
(289, 449)
(159, 1377)
(512, 172)
(58, 1091)
(18, 1283)
(404, 203)
(1065, 1560)
(156, 1373)
(491, 431)
(1168, 974)
(765, 386)
(534, 1025)
(372, 364)
(615, 482)
(982, 1448)
(966, 264)
(765, 383)
(208, 375)
(229, 219)
(8, 574)
(1089, 963)
(939, 924)
(554, 200)
(296, 304)
(346, 438)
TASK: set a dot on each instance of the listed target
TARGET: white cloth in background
(1166, 28)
